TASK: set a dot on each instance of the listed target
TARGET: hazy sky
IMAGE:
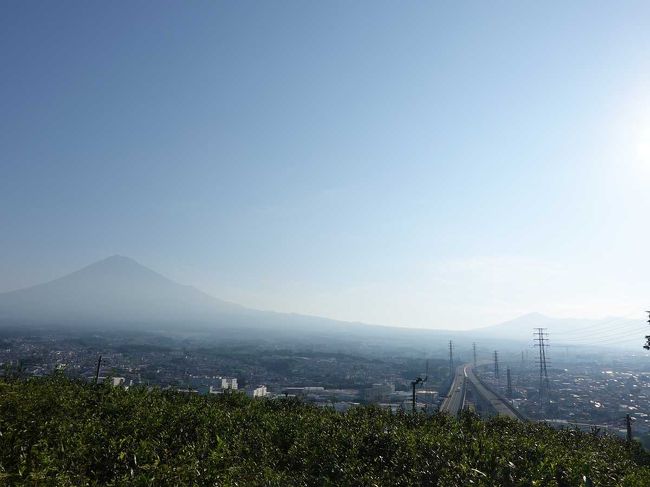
(430, 164)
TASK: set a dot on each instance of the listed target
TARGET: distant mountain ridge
(118, 291)
(114, 289)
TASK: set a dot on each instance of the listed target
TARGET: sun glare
(631, 142)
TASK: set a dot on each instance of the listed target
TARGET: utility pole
(496, 366)
(509, 387)
(413, 384)
(451, 358)
(474, 350)
(419, 380)
(99, 363)
(541, 339)
(628, 426)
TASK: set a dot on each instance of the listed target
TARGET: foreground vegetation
(59, 432)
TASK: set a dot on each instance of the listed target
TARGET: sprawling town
(588, 391)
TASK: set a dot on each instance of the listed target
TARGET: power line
(632, 327)
(611, 334)
(592, 326)
(623, 336)
(615, 341)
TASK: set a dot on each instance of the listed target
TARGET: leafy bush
(58, 432)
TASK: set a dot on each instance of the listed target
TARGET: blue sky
(429, 164)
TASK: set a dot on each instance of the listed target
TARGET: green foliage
(59, 432)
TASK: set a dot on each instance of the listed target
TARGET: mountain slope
(118, 291)
(114, 289)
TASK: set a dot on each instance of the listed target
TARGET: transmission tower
(541, 341)
(496, 366)
(647, 337)
(509, 387)
(451, 358)
(474, 350)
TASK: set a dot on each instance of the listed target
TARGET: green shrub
(58, 432)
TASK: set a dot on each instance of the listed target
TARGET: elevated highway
(487, 401)
(454, 402)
